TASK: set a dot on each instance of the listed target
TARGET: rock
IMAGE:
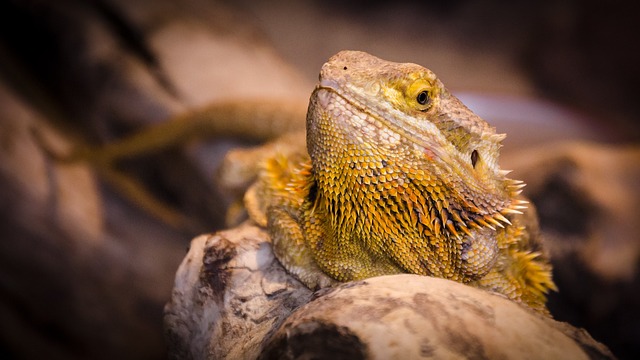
(232, 299)
(230, 293)
(410, 316)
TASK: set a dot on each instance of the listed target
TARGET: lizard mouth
(328, 83)
(330, 87)
(410, 132)
(324, 97)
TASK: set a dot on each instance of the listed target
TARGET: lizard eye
(474, 158)
(423, 97)
(420, 95)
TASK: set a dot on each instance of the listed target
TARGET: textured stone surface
(230, 292)
(232, 299)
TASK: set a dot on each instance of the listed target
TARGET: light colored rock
(413, 317)
(232, 299)
(230, 292)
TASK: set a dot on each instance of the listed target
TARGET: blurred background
(85, 271)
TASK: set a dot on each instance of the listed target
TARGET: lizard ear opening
(474, 158)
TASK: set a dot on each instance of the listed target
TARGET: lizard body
(398, 177)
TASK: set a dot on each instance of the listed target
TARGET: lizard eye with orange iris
(423, 97)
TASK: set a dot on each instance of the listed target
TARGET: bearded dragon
(398, 177)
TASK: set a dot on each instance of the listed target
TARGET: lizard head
(400, 113)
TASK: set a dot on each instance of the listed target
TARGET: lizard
(398, 176)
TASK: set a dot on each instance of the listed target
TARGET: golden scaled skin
(400, 177)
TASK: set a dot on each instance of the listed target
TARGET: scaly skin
(400, 177)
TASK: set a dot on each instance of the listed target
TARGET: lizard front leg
(292, 251)
(276, 201)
